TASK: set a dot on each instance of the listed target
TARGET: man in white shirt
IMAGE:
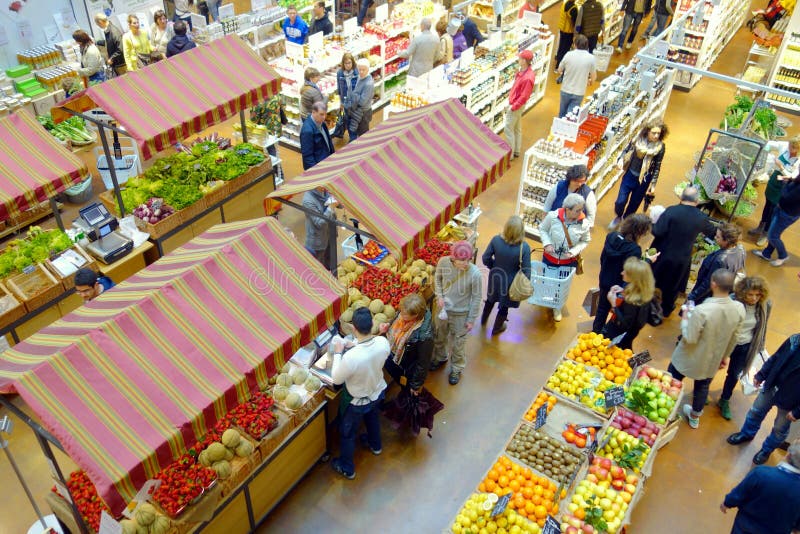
(361, 372)
(578, 68)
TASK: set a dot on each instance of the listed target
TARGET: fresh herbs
(39, 246)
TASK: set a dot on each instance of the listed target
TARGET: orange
(527, 493)
(490, 486)
(551, 485)
(502, 481)
(505, 461)
(516, 469)
(547, 504)
(608, 374)
(500, 468)
(548, 494)
(540, 512)
(513, 486)
(530, 508)
(580, 513)
(527, 473)
(619, 380)
(493, 475)
(482, 487)
(563, 494)
(537, 499)
(540, 522)
(519, 502)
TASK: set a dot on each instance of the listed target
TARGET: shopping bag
(341, 124)
(414, 411)
(591, 301)
(747, 377)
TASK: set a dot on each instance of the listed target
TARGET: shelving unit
(699, 43)
(786, 69)
(613, 19)
(623, 100)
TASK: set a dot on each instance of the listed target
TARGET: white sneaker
(693, 421)
(557, 315)
(627, 46)
(760, 254)
(777, 262)
(613, 224)
(619, 50)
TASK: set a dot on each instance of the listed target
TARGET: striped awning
(131, 380)
(172, 99)
(33, 165)
(408, 177)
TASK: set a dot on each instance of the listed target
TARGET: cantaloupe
(380, 318)
(223, 469)
(128, 526)
(419, 263)
(357, 304)
(353, 294)
(244, 449)
(228, 454)
(312, 383)
(203, 459)
(389, 312)
(279, 393)
(231, 438)
(215, 452)
(160, 525)
(376, 306)
(406, 277)
(286, 367)
(145, 514)
(347, 316)
(285, 380)
(349, 265)
(293, 401)
(299, 375)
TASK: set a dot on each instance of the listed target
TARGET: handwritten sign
(531, 19)
(565, 129)
(198, 21)
(381, 13)
(501, 504)
(614, 397)
(349, 27)
(551, 526)
(541, 417)
(639, 359)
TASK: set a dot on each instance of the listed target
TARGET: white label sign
(294, 50)
(583, 113)
(226, 12)
(467, 56)
(678, 36)
(532, 19)
(565, 129)
(660, 49)
(349, 27)
(198, 21)
(381, 13)
(315, 42)
(258, 5)
(436, 76)
(109, 525)
(697, 20)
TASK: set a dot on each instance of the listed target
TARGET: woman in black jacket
(631, 305)
(411, 339)
(619, 246)
(786, 214)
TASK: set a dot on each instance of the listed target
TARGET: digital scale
(105, 242)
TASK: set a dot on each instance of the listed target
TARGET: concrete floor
(418, 484)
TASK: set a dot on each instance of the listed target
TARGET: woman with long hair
(786, 214)
(160, 33)
(346, 79)
(135, 43)
(91, 61)
(753, 292)
(411, 338)
(630, 305)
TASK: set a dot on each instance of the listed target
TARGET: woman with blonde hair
(630, 306)
(135, 45)
(753, 292)
(411, 338)
(506, 254)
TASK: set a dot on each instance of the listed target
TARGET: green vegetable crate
(11, 308)
(36, 288)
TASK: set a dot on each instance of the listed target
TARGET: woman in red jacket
(517, 98)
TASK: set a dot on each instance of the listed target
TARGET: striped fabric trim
(183, 95)
(439, 157)
(33, 165)
(130, 380)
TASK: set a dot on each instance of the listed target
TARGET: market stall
(132, 381)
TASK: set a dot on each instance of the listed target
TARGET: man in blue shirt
(768, 498)
(294, 28)
(88, 284)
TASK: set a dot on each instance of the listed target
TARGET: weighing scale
(105, 242)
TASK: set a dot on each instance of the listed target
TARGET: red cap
(527, 55)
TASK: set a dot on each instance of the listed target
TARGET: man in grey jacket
(423, 51)
(317, 228)
(360, 111)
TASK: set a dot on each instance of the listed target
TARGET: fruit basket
(35, 288)
(11, 309)
(372, 253)
(476, 515)
(595, 350)
(545, 454)
(580, 385)
(77, 258)
(667, 393)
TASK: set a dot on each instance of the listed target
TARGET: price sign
(551, 526)
(349, 27)
(616, 340)
(198, 21)
(501, 504)
(647, 81)
(583, 112)
(381, 13)
(661, 49)
(678, 35)
(565, 129)
(639, 359)
(226, 12)
(531, 19)
(614, 397)
(258, 5)
(109, 525)
(541, 417)
(467, 56)
(315, 42)
(699, 13)
(62, 490)
(294, 50)
(144, 494)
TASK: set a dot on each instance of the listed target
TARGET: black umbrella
(415, 411)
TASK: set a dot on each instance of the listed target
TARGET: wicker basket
(35, 288)
(69, 281)
(155, 230)
(13, 311)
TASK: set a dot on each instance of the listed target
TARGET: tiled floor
(418, 484)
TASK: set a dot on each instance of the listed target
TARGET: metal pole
(56, 213)
(244, 125)
(25, 486)
(112, 167)
(48, 453)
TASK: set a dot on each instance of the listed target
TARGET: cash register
(105, 242)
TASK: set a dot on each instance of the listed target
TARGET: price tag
(616, 340)
(565, 129)
(639, 359)
(315, 42)
(258, 5)
(198, 21)
(144, 494)
(660, 49)
(226, 11)
(551, 526)
(614, 397)
(467, 56)
(531, 19)
(541, 417)
(678, 36)
(349, 27)
(294, 50)
(109, 525)
(29, 269)
(583, 112)
(62, 490)
(501, 504)
(381, 13)
(699, 13)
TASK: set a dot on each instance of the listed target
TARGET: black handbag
(341, 124)
(655, 313)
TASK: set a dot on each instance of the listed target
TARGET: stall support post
(112, 168)
(51, 459)
(332, 247)
(244, 125)
(56, 213)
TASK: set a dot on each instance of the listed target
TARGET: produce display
(580, 383)
(73, 130)
(476, 517)
(626, 450)
(764, 123)
(384, 285)
(545, 454)
(372, 252)
(153, 210)
(7, 302)
(540, 400)
(433, 251)
(85, 497)
(533, 496)
(653, 394)
(38, 246)
(254, 416)
(595, 350)
(146, 520)
(181, 482)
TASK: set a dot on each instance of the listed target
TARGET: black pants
(700, 393)
(564, 45)
(592, 42)
(603, 307)
(735, 367)
(766, 215)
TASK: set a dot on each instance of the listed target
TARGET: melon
(160, 525)
(279, 393)
(145, 514)
(128, 526)
(299, 375)
(231, 438)
(359, 269)
(228, 454)
(273, 379)
(375, 329)
(223, 469)
(344, 279)
(357, 304)
(389, 312)
(349, 265)
(414, 271)
(406, 277)
(391, 260)
(286, 367)
(141, 529)
(203, 459)
(312, 383)
(354, 293)
(293, 401)
(376, 306)
(215, 452)
(365, 299)
(244, 449)
(285, 380)
(347, 316)
(417, 280)
(419, 263)
(380, 318)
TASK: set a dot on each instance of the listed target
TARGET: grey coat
(309, 94)
(423, 53)
(360, 102)
(316, 227)
(503, 261)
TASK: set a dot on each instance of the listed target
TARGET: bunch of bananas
(451, 232)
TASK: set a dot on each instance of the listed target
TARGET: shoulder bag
(655, 314)
(521, 287)
(578, 258)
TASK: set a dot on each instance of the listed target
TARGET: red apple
(617, 484)
(572, 530)
(617, 473)
(588, 529)
(605, 463)
(591, 477)
(632, 479)
(602, 473)
(630, 488)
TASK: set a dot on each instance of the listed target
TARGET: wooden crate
(14, 309)
(36, 288)
(277, 435)
(69, 281)
(155, 230)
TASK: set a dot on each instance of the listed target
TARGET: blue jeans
(213, 9)
(700, 392)
(780, 222)
(351, 423)
(659, 22)
(761, 407)
(631, 194)
(362, 11)
(568, 101)
(631, 22)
